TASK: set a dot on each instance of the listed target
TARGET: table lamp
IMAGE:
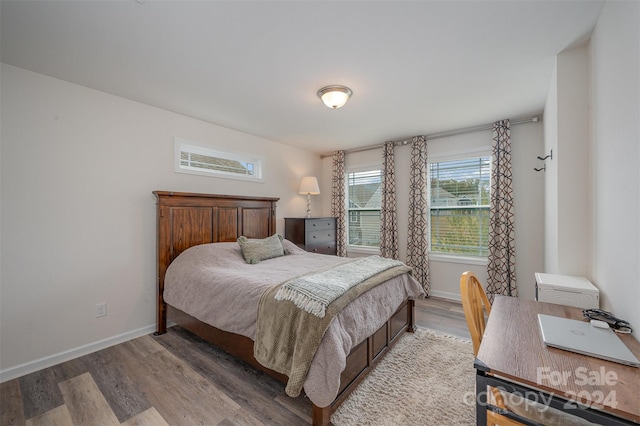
(309, 186)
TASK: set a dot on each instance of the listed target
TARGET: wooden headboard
(185, 220)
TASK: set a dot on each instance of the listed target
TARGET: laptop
(583, 338)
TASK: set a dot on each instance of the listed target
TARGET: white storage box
(567, 290)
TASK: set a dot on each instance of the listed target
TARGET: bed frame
(187, 219)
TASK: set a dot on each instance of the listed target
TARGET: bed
(196, 223)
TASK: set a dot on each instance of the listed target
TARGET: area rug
(427, 379)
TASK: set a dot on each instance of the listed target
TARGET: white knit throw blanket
(314, 292)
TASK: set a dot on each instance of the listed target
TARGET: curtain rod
(534, 119)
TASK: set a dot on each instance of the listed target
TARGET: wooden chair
(476, 306)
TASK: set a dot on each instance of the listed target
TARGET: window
(459, 195)
(202, 160)
(364, 199)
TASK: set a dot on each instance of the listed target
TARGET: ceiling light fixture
(335, 96)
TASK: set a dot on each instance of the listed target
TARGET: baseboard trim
(49, 361)
(446, 295)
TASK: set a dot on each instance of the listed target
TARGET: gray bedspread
(214, 284)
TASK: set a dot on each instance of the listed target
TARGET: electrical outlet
(101, 310)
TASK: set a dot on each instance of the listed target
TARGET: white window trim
(181, 144)
(453, 156)
(455, 258)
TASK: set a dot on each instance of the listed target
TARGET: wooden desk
(513, 356)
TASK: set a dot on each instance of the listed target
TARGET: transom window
(203, 160)
(459, 193)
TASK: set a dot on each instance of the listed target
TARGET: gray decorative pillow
(255, 250)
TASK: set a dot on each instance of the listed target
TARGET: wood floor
(442, 315)
(174, 379)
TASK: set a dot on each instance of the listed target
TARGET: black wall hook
(543, 168)
(550, 156)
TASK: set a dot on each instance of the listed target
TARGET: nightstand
(316, 234)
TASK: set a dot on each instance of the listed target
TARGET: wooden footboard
(360, 362)
(364, 357)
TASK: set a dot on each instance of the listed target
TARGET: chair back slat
(476, 307)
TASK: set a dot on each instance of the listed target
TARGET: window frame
(455, 156)
(355, 248)
(186, 145)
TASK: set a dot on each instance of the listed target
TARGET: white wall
(615, 128)
(567, 186)
(550, 124)
(527, 144)
(78, 217)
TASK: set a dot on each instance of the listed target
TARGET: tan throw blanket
(287, 337)
(314, 292)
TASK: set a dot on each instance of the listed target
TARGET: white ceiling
(415, 67)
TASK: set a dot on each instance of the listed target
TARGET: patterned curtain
(338, 209)
(501, 270)
(388, 213)
(417, 246)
